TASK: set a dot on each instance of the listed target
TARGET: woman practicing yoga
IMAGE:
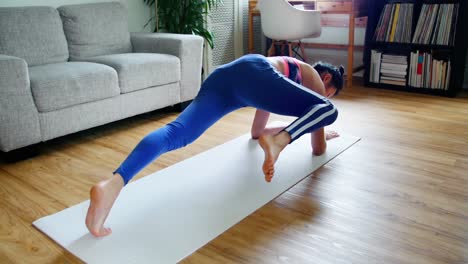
(280, 85)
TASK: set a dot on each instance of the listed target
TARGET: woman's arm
(318, 142)
(259, 125)
(312, 80)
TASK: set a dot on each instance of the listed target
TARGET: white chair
(285, 23)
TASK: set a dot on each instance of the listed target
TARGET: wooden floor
(400, 195)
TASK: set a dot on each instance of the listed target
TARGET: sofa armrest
(18, 114)
(189, 49)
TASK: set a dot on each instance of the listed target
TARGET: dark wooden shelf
(439, 92)
(411, 45)
(456, 53)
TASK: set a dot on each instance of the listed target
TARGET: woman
(279, 85)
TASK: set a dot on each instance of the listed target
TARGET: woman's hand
(331, 135)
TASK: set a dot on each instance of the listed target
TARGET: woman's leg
(261, 86)
(208, 107)
(319, 112)
(276, 94)
(280, 95)
(203, 112)
(315, 117)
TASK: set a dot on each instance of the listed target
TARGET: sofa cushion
(95, 29)
(138, 71)
(34, 34)
(59, 85)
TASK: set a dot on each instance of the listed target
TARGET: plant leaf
(185, 16)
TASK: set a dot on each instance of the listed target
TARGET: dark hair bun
(336, 72)
(341, 70)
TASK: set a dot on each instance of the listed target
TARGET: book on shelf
(388, 68)
(392, 78)
(394, 82)
(394, 59)
(395, 23)
(394, 65)
(375, 66)
(427, 72)
(392, 72)
(437, 24)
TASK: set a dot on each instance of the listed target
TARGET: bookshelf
(434, 59)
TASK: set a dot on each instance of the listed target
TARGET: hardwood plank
(21, 204)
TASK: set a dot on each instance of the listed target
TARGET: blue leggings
(248, 81)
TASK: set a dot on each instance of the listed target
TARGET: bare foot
(272, 146)
(103, 196)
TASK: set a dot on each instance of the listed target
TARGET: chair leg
(290, 49)
(282, 48)
(271, 51)
(304, 56)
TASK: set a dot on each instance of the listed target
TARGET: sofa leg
(20, 154)
(181, 106)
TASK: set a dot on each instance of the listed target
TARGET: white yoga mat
(166, 216)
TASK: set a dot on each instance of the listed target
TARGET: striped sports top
(292, 69)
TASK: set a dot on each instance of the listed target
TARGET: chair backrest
(281, 21)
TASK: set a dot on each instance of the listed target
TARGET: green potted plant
(184, 16)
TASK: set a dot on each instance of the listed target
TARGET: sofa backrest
(34, 34)
(95, 29)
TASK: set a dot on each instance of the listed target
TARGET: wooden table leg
(250, 32)
(350, 51)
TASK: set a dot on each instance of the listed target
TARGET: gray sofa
(75, 67)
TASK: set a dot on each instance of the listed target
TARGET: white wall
(138, 12)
